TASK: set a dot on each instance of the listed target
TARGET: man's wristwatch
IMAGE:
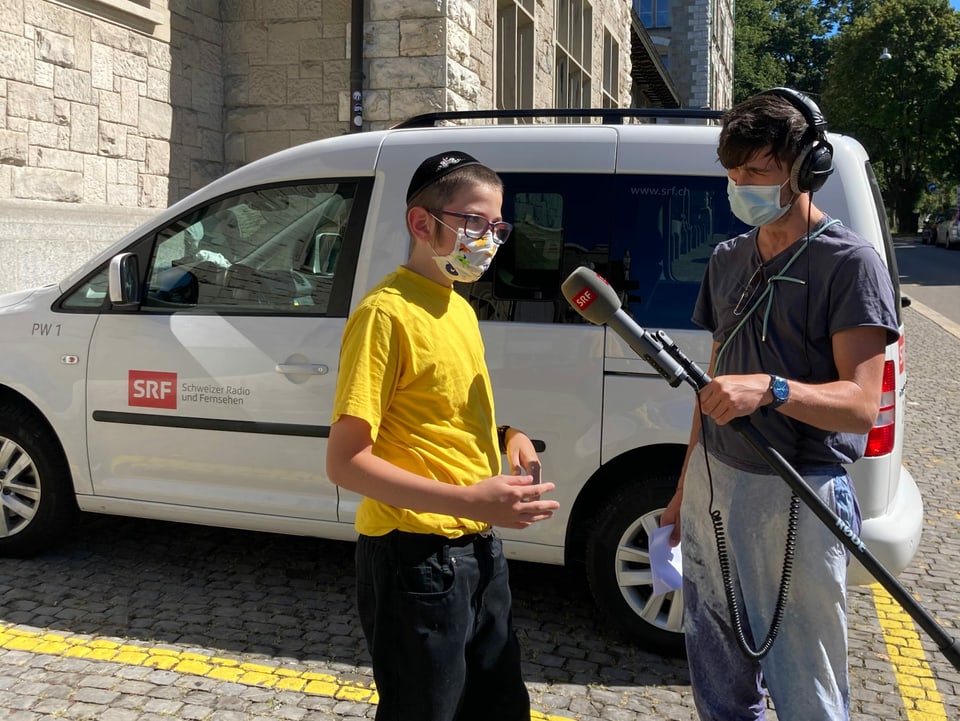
(780, 390)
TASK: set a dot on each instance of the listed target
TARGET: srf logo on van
(152, 389)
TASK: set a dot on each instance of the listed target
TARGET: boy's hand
(520, 451)
(511, 501)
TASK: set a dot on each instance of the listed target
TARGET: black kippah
(435, 167)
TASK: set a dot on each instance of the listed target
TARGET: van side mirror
(123, 281)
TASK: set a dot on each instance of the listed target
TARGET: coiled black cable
(736, 617)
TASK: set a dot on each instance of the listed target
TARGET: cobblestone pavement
(145, 621)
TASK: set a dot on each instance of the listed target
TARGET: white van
(187, 372)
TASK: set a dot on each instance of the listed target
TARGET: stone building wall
(470, 44)
(545, 56)
(405, 58)
(286, 74)
(679, 39)
(699, 44)
(615, 18)
(721, 54)
(430, 55)
(118, 114)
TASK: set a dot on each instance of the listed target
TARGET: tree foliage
(904, 109)
(781, 42)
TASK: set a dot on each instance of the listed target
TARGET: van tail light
(881, 436)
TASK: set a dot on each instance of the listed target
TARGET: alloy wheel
(635, 577)
(19, 488)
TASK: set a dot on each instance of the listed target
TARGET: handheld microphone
(592, 297)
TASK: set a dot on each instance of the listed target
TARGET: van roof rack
(613, 116)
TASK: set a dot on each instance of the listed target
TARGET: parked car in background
(948, 229)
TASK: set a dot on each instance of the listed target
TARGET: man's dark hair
(761, 121)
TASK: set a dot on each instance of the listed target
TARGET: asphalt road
(930, 275)
(145, 621)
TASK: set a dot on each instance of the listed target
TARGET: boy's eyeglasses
(756, 280)
(476, 226)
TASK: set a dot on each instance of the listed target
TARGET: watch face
(780, 389)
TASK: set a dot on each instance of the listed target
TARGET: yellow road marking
(918, 688)
(195, 664)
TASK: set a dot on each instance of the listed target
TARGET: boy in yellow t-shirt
(414, 433)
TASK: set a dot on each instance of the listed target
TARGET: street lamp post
(903, 164)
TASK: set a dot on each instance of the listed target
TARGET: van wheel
(36, 496)
(618, 566)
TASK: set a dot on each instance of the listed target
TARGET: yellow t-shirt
(412, 366)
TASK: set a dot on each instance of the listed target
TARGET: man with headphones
(801, 309)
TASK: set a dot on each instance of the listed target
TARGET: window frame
(140, 15)
(610, 85)
(514, 66)
(573, 47)
(653, 13)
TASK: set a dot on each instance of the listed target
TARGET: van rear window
(650, 236)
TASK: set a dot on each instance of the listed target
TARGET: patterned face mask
(469, 259)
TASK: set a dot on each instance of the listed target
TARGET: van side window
(89, 295)
(270, 250)
(649, 236)
(553, 215)
(666, 229)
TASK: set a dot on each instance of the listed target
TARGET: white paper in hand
(665, 562)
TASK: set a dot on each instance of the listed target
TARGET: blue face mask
(756, 204)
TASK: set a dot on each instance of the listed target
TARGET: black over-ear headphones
(815, 163)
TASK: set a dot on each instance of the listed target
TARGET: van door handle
(300, 369)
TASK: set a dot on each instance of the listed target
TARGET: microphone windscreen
(591, 295)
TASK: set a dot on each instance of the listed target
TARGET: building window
(574, 54)
(653, 13)
(514, 54)
(611, 71)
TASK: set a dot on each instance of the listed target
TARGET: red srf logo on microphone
(152, 389)
(584, 298)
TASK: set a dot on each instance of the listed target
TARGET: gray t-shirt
(844, 285)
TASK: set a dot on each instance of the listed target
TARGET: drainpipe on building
(356, 66)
